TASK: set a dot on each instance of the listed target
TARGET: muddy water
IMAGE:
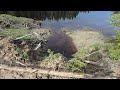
(59, 42)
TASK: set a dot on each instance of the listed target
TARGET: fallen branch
(90, 54)
(39, 45)
(36, 35)
(91, 62)
(21, 63)
(23, 36)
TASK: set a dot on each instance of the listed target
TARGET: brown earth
(11, 65)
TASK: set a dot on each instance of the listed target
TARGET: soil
(12, 66)
(8, 56)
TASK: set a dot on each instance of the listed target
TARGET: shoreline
(84, 40)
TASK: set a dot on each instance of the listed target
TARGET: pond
(57, 20)
(97, 20)
(70, 20)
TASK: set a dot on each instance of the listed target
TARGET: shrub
(80, 54)
(52, 55)
(117, 37)
(22, 54)
(114, 49)
(115, 20)
(75, 65)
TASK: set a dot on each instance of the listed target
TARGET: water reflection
(43, 15)
(57, 20)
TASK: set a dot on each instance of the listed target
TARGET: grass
(52, 55)
(52, 60)
(14, 33)
(86, 42)
(21, 20)
(22, 54)
(86, 38)
(75, 65)
(114, 47)
(115, 20)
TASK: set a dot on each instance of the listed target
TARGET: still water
(73, 20)
(57, 20)
(97, 20)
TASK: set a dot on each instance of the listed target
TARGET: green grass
(115, 20)
(22, 20)
(75, 65)
(80, 53)
(114, 47)
(15, 33)
(22, 54)
(52, 55)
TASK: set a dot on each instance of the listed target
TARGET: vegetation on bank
(114, 45)
(10, 22)
(15, 33)
(88, 43)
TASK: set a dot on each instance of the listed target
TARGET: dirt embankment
(18, 60)
(19, 68)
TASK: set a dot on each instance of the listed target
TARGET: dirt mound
(7, 51)
(22, 53)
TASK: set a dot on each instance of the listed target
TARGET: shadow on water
(59, 42)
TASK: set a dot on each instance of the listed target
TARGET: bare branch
(23, 36)
(39, 45)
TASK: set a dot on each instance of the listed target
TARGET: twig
(39, 45)
(23, 36)
(91, 62)
(36, 34)
(90, 54)
(21, 63)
